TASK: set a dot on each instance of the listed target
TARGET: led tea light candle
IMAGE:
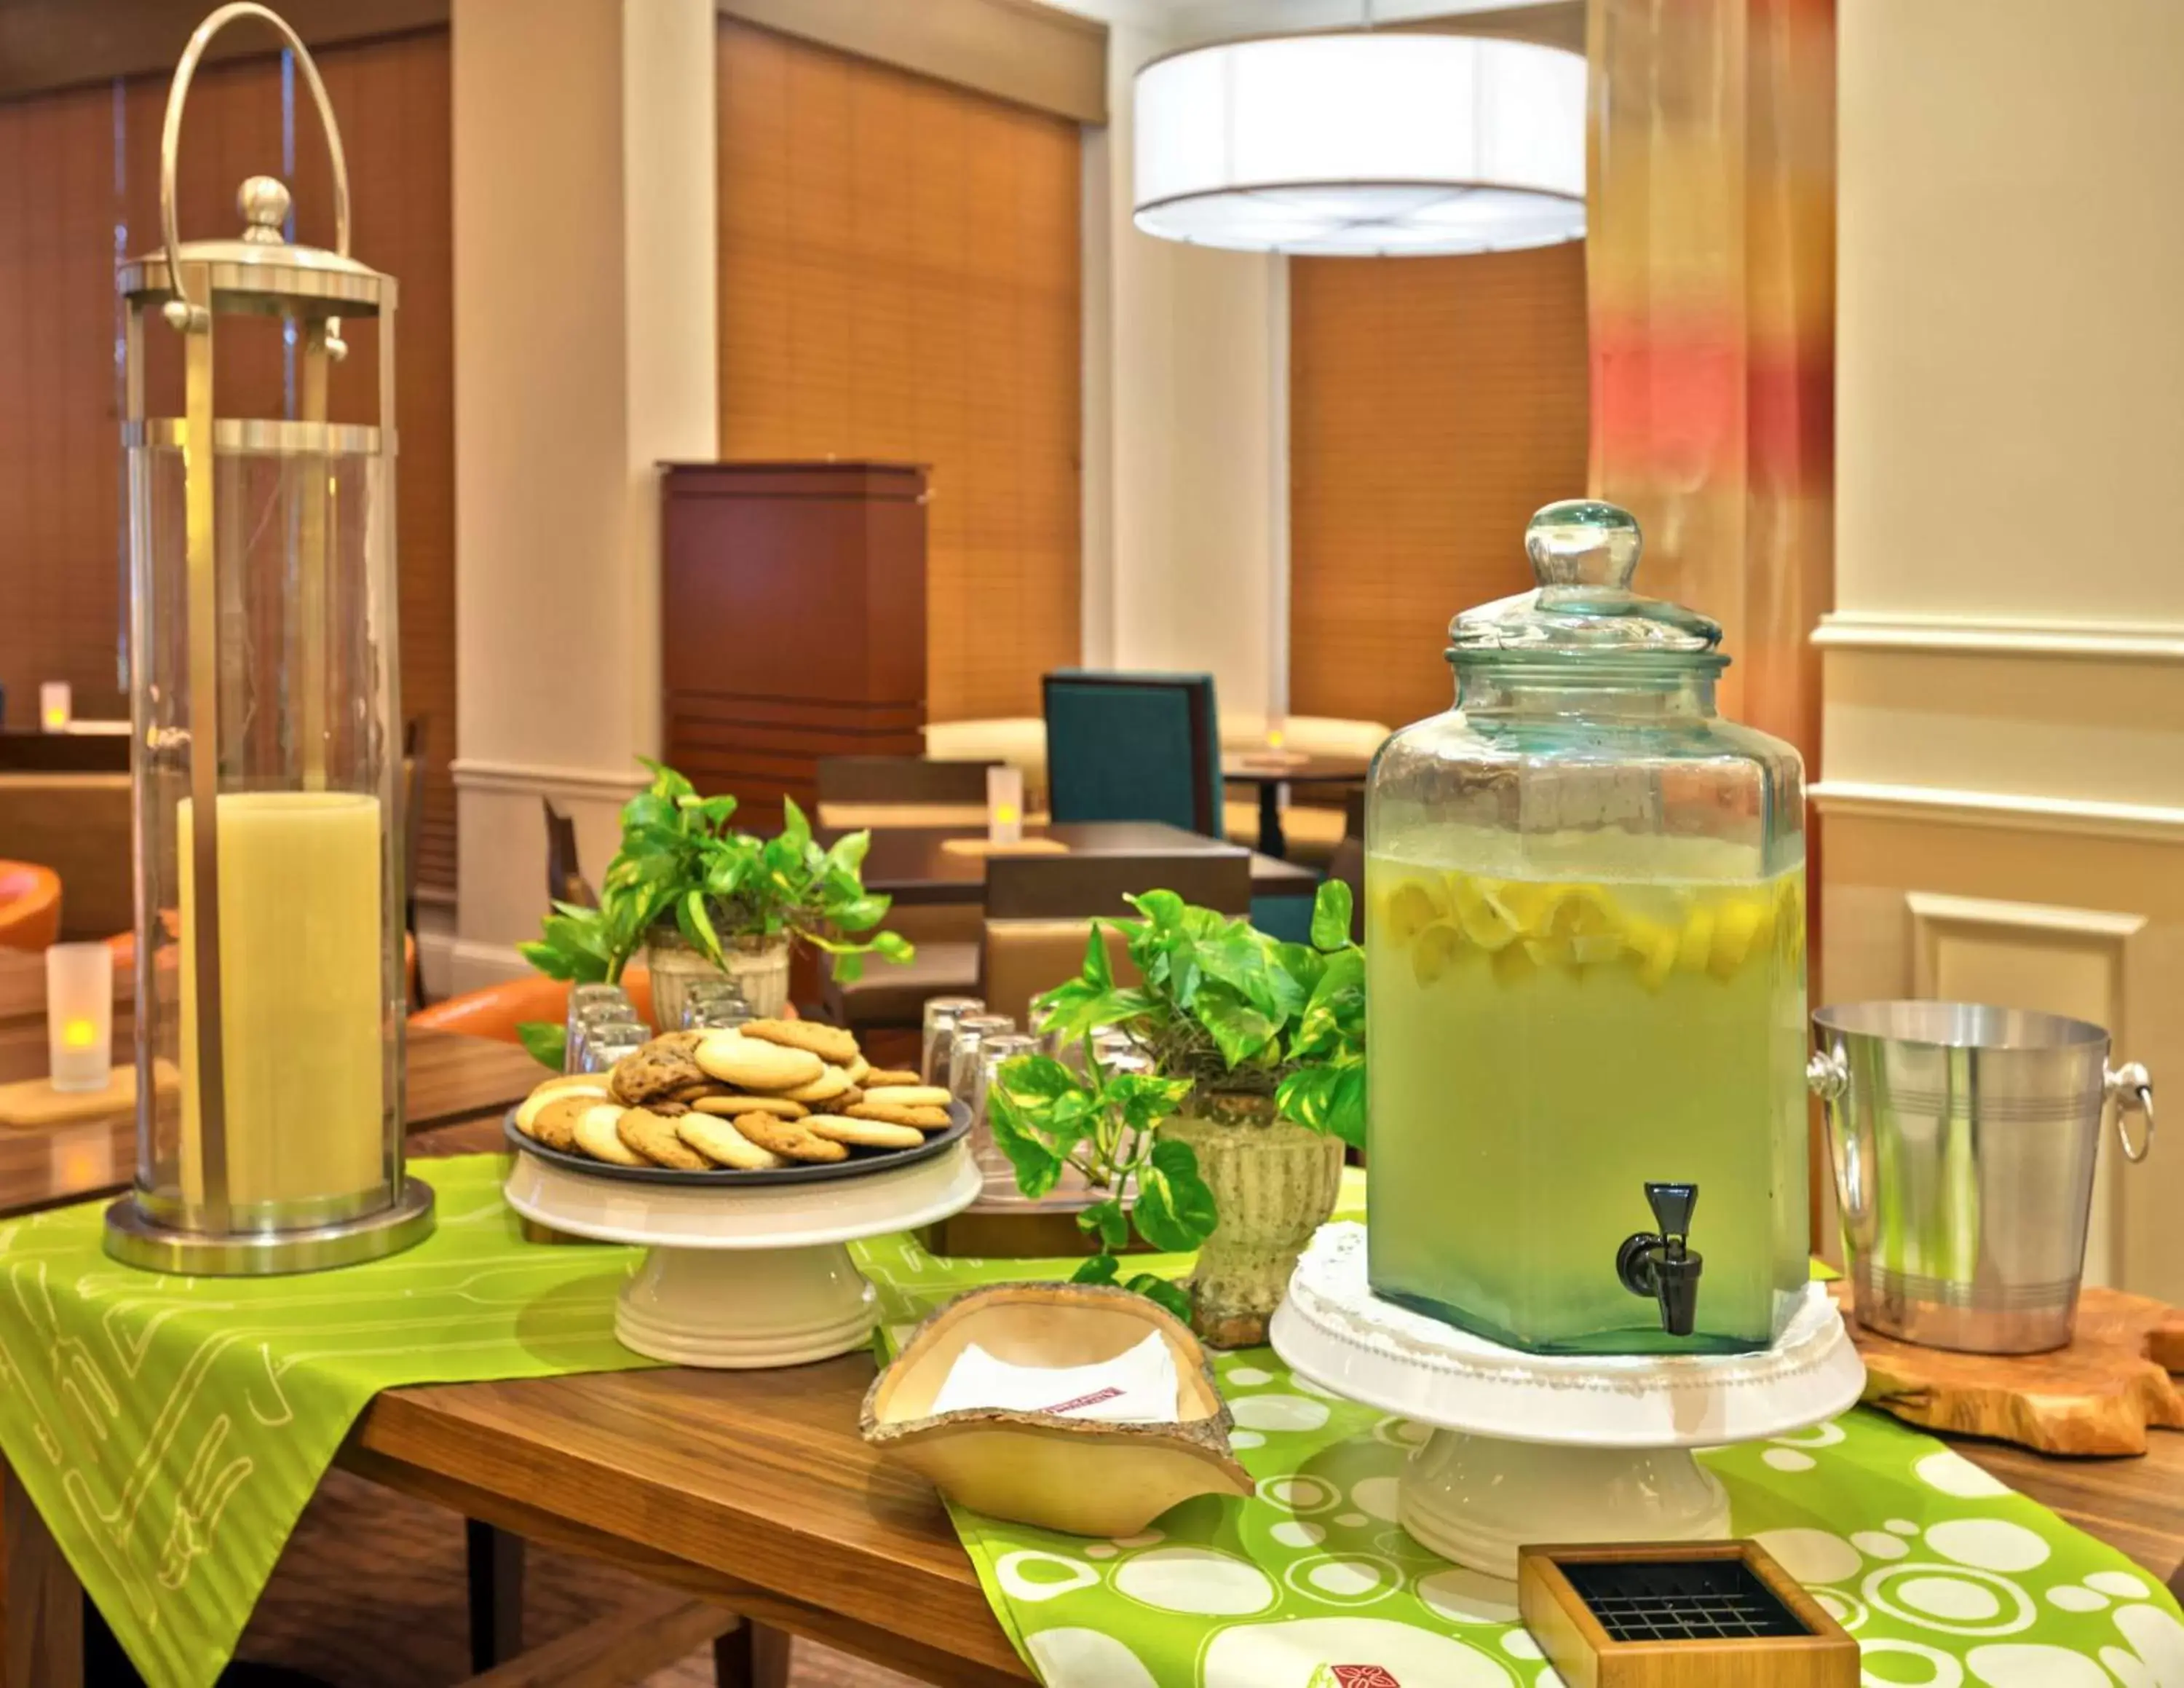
(80, 1015)
(56, 704)
(269, 932)
(1005, 797)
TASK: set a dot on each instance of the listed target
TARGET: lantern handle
(183, 311)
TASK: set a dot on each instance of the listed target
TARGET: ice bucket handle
(184, 311)
(2131, 1090)
(1827, 1075)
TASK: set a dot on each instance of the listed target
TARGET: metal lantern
(269, 987)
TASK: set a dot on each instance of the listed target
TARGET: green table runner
(170, 1430)
(1946, 1578)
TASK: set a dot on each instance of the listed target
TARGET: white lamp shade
(1363, 144)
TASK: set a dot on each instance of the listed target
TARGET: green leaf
(1144, 1099)
(697, 926)
(1162, 909)
(1174, 1211)
(1100, 1269)
(666, 782)
(1107, 1220)
(848, 853)
(893, 947)
(1032, 1079)
(649, 810)
(1098, 967)
(796, 829)
(1330, 914)
(554, 963)
(547, 1043)
(849, 966)
(1240, 1029)
(1037, 1163)
(1159, 1289)
(1328, 1098)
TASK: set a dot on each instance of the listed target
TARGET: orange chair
(497, 1010)
(29, 906)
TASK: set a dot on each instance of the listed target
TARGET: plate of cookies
(772, 1102)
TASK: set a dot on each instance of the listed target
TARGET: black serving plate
(860, 1161)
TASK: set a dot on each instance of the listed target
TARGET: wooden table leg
(751, 1655)
(494, 1560)
(43, 1600)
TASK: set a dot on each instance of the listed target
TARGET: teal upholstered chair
(1130, 746)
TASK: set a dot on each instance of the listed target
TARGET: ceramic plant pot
(759, 966)
(1083, 1475)
(1274, 1183)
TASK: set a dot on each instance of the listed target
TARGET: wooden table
(752, 1489)
(451, 1079)
(910, 865)
(1271, 770)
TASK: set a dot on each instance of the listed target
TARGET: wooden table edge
(397, 1443)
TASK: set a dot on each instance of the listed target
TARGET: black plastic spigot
(1661, 1263)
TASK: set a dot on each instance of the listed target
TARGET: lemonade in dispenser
(1585, 953)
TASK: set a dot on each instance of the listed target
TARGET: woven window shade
(66, 202)
(899, 282)
(1434, 404)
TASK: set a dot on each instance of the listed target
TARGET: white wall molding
(534, 778)
(2147, 822)
(1970, 636)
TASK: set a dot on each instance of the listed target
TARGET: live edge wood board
(792, 610)
(2099, 1395)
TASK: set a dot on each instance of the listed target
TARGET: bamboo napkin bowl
(1080, 1476)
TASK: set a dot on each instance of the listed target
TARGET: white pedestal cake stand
(1546, 1448)
(741, 1278)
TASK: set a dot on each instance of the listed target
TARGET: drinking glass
(581, 996)
(593, 1020)
(941, 1013)
(608, 1041)
(970, 1032)
(715, 1005)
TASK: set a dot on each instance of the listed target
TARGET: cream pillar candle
(302, 1039)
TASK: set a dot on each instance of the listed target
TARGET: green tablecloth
(1946, 1578)
(170, 1429)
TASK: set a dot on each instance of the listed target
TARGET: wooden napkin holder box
(1678, 1614)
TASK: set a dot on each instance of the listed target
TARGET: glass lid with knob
(1584, 942)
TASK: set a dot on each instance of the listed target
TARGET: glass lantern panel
(309, 984)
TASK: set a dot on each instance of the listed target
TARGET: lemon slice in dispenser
(1484, 913)
(1433, 951)
(1411, 906)
(1741, 925)
(1695, 944)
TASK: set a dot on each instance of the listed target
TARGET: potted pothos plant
(699, 898)
(1233, 1144)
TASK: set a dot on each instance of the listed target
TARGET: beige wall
(584, 322)
(1186, 482)
(2003, 788)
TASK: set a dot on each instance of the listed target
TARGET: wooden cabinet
(792, 623)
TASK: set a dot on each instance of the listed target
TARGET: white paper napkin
(1136, 1387)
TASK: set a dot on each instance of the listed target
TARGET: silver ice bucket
(1964, 1140)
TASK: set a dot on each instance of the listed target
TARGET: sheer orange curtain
(1711, 236)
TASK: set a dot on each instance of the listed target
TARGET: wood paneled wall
(78, 184)
(1434, 404)
(899, 281)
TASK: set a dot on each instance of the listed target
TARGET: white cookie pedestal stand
(1548, 1447)
(743, 1278)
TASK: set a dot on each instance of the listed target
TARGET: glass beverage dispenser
(1585, 998)
(262, 650)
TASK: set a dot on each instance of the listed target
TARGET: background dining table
(1269, 771)
(914, 865)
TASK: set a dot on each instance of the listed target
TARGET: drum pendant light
(1362, 143)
